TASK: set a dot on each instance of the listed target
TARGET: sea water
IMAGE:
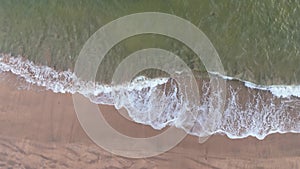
(257, 41)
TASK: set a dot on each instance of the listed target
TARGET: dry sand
(40, 130)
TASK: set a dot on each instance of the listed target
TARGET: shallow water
(258, 41)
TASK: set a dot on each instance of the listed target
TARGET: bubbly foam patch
(250, 109)
(277, 90)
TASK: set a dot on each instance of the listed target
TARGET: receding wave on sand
(249, 110)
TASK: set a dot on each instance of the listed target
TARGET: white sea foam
(153, 102)
(277, 90)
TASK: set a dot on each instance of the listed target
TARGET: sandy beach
(40, 130)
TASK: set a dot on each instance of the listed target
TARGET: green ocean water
(257, 41)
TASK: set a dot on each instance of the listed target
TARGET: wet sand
(40, 129)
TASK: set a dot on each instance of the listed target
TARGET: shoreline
(247, 109)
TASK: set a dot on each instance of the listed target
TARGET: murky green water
(256, 40)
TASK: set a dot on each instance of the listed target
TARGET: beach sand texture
(40, 130)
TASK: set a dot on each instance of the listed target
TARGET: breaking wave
(249, 110)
